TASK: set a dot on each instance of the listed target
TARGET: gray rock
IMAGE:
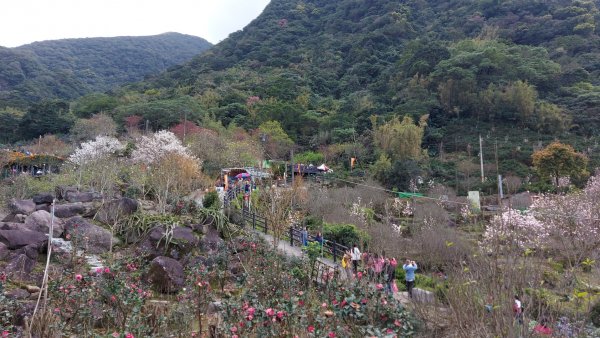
(20, 218)
(69, 210)
(17, 294)
(166, 275)
(3, 251)
(41, 220)
(43, 198)
(25, 311)
(211, 242)
(61, 191)
(45, 207)
(20, 267)
(15, 239)
(423, 296)
(92, 238)
(182, 242)
(114, 210)
(12, 226)
(75, 196)
(24, 207)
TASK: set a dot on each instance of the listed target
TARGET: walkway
(294, 251)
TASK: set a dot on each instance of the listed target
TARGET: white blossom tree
(150, 149)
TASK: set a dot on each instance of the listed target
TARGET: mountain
(69, 68)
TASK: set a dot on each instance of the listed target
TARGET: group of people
(304, 237)
(378, 268)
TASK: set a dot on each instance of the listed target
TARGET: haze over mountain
(70, 68)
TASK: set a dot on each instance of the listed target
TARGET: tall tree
(401, 140)
(558, 160)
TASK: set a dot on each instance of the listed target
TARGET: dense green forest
(520, 73)
(69, 68)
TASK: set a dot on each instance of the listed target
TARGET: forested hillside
(334, 73)
(69, 68)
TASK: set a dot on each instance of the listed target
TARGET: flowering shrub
(7, 308)
(515, 228)
(150, 149)
(100, 148)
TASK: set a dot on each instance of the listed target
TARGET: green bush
(309, 157)
(211, 200)
(345, 234)
(313, 223)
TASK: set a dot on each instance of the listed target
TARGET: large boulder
(75, 196)
(69, 210)
(15, 239)
(112, 211)
(92, 238)
(24, 207)
(423, 296)
(212, 241)
(3, 251)
(61, 191)
(181, 242)
(41, 220)
(46, 198)
(20, 267)
(166, 275)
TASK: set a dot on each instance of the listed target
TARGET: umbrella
(242, 175)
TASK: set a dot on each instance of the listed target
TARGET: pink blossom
(379, 286)
(397, 322)
(324, 305)
(99, 270)
(359, 275)
(78, 277)
(389, 331)
(344, 302)
(129, 335)
(331, 335)
(250, 317)
(115, 334)
(5, 333)
(250, 311)
(234, 336)
(280, 314)
(107, 270)
(233, 329)
(270, 312)
(311, 329)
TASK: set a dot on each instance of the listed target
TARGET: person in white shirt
(355, 257)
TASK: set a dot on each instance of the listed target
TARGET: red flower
(78, 277)
(359, 275)
(331, 335)
(107, 270)
(250, 311)
(335, 302)
(280, 314)
(389, 331)
(270, 312)
(300, 303)
(129, 335)
(4, 334)
(397, 323)
(311, 329)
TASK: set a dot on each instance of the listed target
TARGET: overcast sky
(26, 21)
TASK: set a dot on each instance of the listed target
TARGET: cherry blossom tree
(150, 149)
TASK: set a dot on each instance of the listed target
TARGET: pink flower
(4, 334)
(359, 275)
(234, 336)
(250, 311)
(270, 312)
(379, 286)
(2, 277)
(344, 302)
(364, 301)
(250, 317)
(331, 334)
(99, 270)
(128, 335)
(68, 236)
(78, 277)
(115, 334)
(300, 303)
(335, 302)
(324, 305)
(107, 270)
(397, 323)
(389, 331)
(56, 310)
(280, 314)
(311, 329)
(233, 329)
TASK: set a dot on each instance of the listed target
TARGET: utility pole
(292, 161)
(500, 193)
(481, 158)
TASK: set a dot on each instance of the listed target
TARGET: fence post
(334, 251)
(291, 236)
(254, 221)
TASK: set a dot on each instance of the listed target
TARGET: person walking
(304, 235)
(390, 275)
(355, 255)
(409, 268)
(347, 266)
(518, 309)
(378, 263)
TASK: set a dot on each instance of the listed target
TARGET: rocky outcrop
(175, 245)
(20, 266)
(91, 238)
(69, 210)
(46, 198)
(3, 251)
(166, 275)
(114, 210)
(24, 207)
(75, 196)
(15, 239)
(41, 221)
(61, 191)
